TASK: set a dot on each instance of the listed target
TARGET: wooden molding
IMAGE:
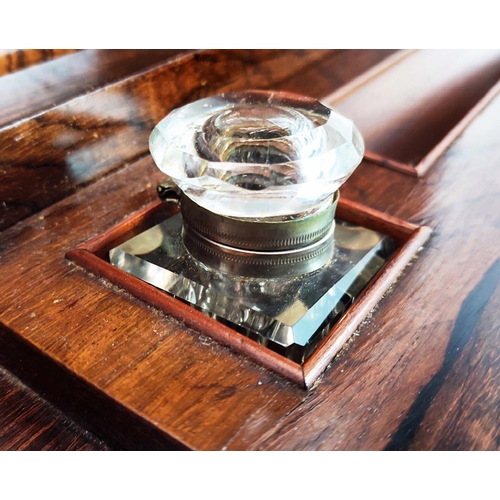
(395, 104)
(408, 237)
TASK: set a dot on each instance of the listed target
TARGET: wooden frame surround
(408, 238)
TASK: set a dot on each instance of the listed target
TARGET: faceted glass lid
(257, 153)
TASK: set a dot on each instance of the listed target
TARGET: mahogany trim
(346, 327)
(389, 163)
(409, 238)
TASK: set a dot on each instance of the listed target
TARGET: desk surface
(421, 373)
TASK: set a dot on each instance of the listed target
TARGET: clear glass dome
(257, 154)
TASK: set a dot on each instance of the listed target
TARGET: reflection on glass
(289, 315)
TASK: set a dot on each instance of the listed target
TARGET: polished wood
(102, 327)
(409, 238)
(50, 156)
(28, 422)
(93, 256)
(12, 60)
(422, 372)
(336, 71)
(71, 76)
(97, 414)
(436, 94)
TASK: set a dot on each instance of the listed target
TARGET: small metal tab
(168, 192)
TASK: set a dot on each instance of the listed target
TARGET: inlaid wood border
(409, 239)
(423, 166)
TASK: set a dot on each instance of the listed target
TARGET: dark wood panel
(377, 394)
(90, 408)
(47, 85)
(115, 343)
(462, 415)
(12, 60)
(335, 71)
(421, 372)
(45, 158)
(28, 422)
(433, 91)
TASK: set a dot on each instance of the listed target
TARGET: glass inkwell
(255, 244)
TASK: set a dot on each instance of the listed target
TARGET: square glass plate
(289, 315)
(293, 326)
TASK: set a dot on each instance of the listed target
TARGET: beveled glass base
(289, 315)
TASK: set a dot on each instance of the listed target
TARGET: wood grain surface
(146, 345)
(12, 60)
(433, 91)
(335, 71)
(44, 86)
(422, 371)
(28, 422)
(46, 158)
(388, 392)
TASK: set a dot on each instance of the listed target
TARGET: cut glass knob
(257, 154)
